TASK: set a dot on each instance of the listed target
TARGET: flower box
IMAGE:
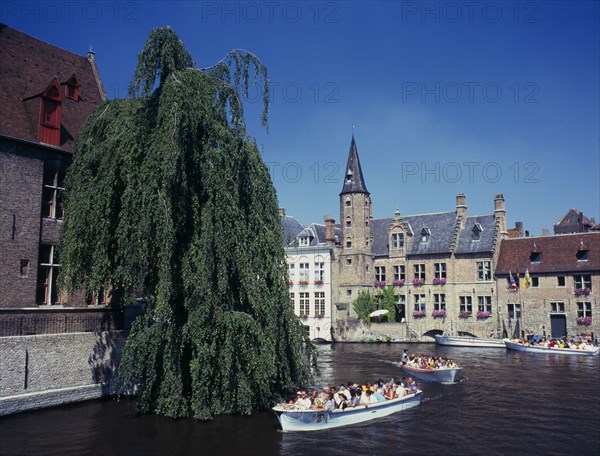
(418, 282)
(398, 283)
(379, 284)
(584, 321)
(464, 314)
(419, 314)
(290, 283)
(483, 314)
(318, 282)
(303, 282)
(303, 316)
(439, 313)
(319, 315)
(582, 291)
(440, 281)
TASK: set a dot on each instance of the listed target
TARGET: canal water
(508, 403)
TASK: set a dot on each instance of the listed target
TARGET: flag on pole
(513, 284)
(527, 279)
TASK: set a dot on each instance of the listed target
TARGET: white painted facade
(309, 275)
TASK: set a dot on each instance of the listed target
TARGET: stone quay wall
(40, 371)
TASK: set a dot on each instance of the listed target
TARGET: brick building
(440, 264)
(561, 299)
(46, 95)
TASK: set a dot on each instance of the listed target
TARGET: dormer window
(304, 241)
(476, 233)
(397, 241)
(425, 233)
(582, 255)
(50, 108)
(349, 176)
(535, 257)
(72, 89)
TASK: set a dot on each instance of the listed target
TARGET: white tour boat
(438, 374)
(468, 341)
(296, 419)
(590, 350)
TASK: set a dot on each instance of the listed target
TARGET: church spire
(354, 182)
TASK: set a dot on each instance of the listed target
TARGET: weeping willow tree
(167, 195)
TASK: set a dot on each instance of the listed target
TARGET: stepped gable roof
(466, 241)
(27, 67)
(354, 182)
(440, 226)
(558, 254)
(290, 228)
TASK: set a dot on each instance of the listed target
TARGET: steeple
(354, 182)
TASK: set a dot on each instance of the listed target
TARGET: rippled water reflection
(508, 403)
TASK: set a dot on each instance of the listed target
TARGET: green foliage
(386, 299)
(363, 305)
(168, 196)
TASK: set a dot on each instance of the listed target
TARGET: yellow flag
(526, 279)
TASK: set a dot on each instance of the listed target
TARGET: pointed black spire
(354, 182)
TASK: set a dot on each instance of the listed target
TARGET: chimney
(461, 208)
(545, 232)
(500, 214)
(281, 212)
(519, 228)
(329, 230)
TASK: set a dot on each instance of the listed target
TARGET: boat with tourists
(433, 374)
(580, 350)
(468, 341)
(293, 418)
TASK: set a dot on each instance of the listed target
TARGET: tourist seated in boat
(377, 394)
(329, 403)
(412, 385)
(367, 398)
(304, 401)
(354, 398)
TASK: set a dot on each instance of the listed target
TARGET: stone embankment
(40, 371)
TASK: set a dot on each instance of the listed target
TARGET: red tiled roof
(27, 66)
(558, 254)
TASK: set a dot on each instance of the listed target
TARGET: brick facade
(33, 74)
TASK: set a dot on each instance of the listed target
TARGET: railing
(54, 324)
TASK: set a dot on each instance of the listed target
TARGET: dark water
(509, 403)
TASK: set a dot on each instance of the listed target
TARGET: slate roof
(290, 228)
(442, 227)
(356, 183)
(573, 216)
(316, 233)
(466, 244)
(27, 67)
(558, 254)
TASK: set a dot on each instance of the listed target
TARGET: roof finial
(353, 131)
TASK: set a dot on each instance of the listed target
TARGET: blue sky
(446, 97)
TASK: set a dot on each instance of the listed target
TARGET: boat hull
(433, 375)
(315, 420)
(466, 341)
(592, 351)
